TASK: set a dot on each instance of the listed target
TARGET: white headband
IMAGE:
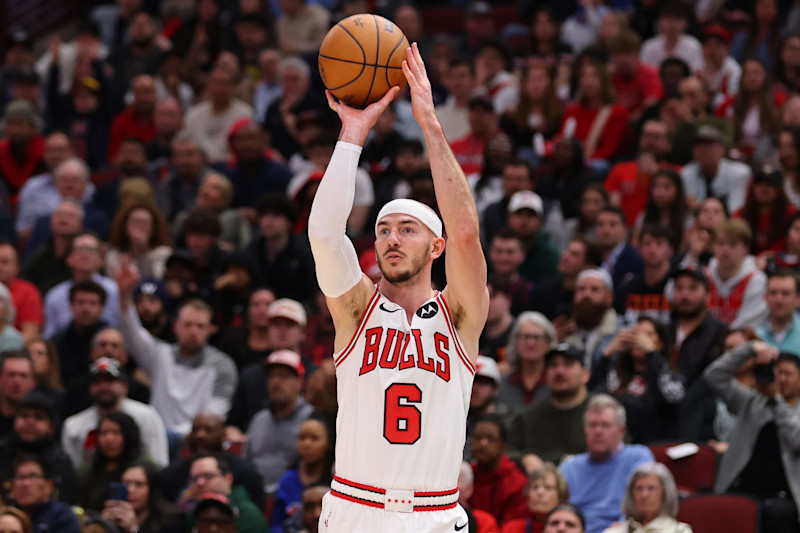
(418, 210)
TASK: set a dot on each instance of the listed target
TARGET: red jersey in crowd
(613, 133)
(500, 491)
(127, 125)
(633, 93)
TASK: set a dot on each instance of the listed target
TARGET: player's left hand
(419, 85)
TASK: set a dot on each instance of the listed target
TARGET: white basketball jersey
(404, 392)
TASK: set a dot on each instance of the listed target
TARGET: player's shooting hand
(357, 123)
(420, 86)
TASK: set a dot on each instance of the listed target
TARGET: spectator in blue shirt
(782, 328)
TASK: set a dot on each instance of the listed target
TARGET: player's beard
(403, 276)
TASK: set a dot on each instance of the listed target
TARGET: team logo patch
(428, 310)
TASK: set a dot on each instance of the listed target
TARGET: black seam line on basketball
(402, 38)
(359, 62)
(363, 53)
(377, 53)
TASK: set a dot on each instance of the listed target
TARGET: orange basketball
(361, 58)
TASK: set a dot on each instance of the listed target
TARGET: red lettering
(370, 360)
(442, 345)
(390, 361)
(422, 362)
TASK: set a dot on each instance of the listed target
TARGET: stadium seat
(713, 513)
(693, 474)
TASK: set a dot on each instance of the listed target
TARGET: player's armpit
(347, 310)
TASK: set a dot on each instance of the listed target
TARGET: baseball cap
(151, 287)
(715, 30)
(695, 274)
(213, 499)
(767, 174)
(486, 367)
(564, 350)
(708, 133)
(105, 366)
(24, 110)
(526, 200)
(286, 358)
(289, 309)
(479, 9)
(19, 37)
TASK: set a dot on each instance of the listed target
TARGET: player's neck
(408, 296)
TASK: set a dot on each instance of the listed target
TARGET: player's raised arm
(465, 263)
(345, 287)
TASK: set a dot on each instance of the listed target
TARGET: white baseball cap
(289, 309)
(487, 367)
(526, 200)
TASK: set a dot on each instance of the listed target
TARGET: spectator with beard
(552, 427)
(483, 399)
(596, 322)
(531, 336)
(107, 343)
(16, 380)
(634, 370)
(130, 162)
(643, 294)
(46, 266)
(22, 149)
(86, 301)
(553, 298)
(35, 426)
(150, 298)
(694, 341)
(140, 56)
(495, 334)
(526, 217)
(108, 388)
(506, 256)
(208, 436)
(736, 285)
(619, 258)
(628, 183)
(168, 121)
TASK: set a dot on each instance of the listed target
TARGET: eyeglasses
(535, 337)
(27, 477)
(206, 476)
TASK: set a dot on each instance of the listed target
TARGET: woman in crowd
(789, 162)
(565, 518)
(31, 491)
(546, 489)
(697, 240)
(789, 255)
(787, 71)
(315, 446)
(594, 199)
(46, 366)
(754, 111)
(761, 38)
(531, 337)
(666, 205)
(634, 370)
(599, 123)
(145, 511)
(12, 520)
(767, 211)
(650, 503)
(118, 446)
(140, 231)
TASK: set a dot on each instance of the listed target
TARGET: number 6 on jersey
(402, 422)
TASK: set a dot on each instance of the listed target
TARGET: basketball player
(404, 353)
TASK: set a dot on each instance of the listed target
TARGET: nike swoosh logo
(459, 528)
(387, 310)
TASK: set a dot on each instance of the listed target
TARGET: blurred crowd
(165, 353)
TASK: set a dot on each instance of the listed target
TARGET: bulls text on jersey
(386, 348)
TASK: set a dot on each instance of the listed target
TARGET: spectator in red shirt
(22, 150)
(136, 121)
(767, 211)
(499, 483)
(637, 84)
(483, 124)
(595, 120)
(628, 182)
(546, 489)
(24, 294)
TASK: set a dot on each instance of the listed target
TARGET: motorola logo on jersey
(428, 310)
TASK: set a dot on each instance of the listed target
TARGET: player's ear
(437, 247)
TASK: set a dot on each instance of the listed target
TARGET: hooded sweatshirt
(738, 302)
